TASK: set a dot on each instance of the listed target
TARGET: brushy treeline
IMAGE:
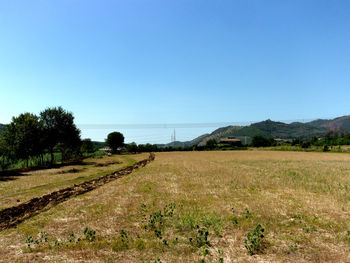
(30, 136)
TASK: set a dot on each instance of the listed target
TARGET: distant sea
(158, 133)
(148, 134)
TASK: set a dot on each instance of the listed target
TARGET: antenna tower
(173, 137)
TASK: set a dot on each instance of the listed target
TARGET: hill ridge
(275, 129)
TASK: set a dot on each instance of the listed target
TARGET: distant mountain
(288, 131)
(273, 129)
(334, 124)
(195, 141)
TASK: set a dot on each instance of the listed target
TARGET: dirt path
(12, 216)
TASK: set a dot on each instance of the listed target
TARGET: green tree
(115, 140)
(60, 132)
(23, 137)
(132, 147)
(261, 141)
(211, 144)
(297, 141)
(87, 146)
(4, 158)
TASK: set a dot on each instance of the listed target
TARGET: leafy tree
(4, 158)
(148, 147)
(87, 146)
(211, 144)
(297, 141)
(60, 132)
(23, 137)
(115, 140)
(314, 140)
(132, 147)
(305, 145)
(70, 142)
(261, 141)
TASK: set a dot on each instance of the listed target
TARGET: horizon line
(179, 125)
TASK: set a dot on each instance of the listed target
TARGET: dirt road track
(12, 216)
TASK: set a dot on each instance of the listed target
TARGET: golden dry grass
(37, 183)
(301, 199)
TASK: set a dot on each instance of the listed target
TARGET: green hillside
(334, 124)
(220, 133)
(287, 131)
(273, 129)
(249, 131)
(266, 128)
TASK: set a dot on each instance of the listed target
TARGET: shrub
(261, 141)
(201, 237)
(254, 242)
(305, 145)
(89, 234)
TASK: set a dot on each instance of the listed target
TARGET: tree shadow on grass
(14, 174)
(10, 175)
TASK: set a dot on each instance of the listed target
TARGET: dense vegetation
(2, 128)
(115, 140)
(40, 138)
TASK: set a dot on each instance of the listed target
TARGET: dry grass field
(23, 187)
(190, 207)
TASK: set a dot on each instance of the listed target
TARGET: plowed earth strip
(12, 216)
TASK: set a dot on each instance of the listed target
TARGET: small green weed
(201, 237)
(254, 242)
(31, 242)
(235, 221)
(246, 213)
(156, 221)
(122, 242)
(42, 239)
(73, 238)
(90, 235)
(221, 259)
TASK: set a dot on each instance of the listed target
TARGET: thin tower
(173, 137)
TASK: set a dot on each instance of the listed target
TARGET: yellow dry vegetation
(195, 206)
(22, 187)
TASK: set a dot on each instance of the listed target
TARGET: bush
(121, 242)
(254, 242)
(87, 146)
(305, 145)
(261, 141)
(211, 144)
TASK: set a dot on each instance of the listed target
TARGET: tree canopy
(60, 132)
(29, 136)
(22, 138)
(115, 140)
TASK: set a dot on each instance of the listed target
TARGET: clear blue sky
(183, 61)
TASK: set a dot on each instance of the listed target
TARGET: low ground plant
(254, 242)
